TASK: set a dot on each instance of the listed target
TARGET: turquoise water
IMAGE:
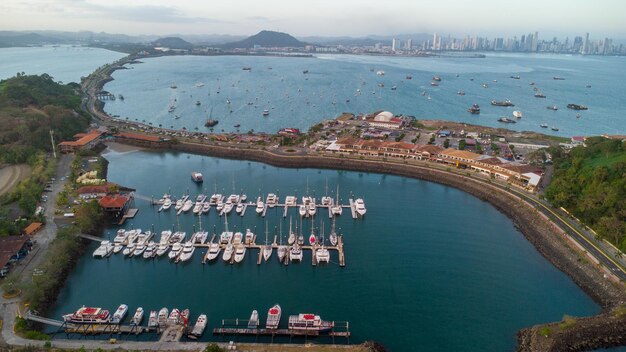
(429, 268)
(63, 63)
(301, 100)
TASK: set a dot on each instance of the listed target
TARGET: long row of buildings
(523, 175)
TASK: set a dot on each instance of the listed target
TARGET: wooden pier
(239, 327)
(130, 213)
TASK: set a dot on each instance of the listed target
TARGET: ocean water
(429, 268)
(63, 63)
(332, 85)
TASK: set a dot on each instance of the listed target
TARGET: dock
(353, 208)
(130, 213)
(239, 327)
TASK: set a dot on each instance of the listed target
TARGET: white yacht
(198, 328)
(137, 317)
(271, 200)
(228, 207)
(233, 198)
(292, 236)
(291, 201)
(219, 206)
(238, 238)
(105, 249)
(249, 237)
(128, 251)
(260, 206)
(153, 321)
(228, 252)
(213, 252)
(200, 237)
(167, 203)
(187, 252)
(240, 253)
(215, 198)
(253, 322)
(206, 207)
(360, 206)
(177, 248)
(178, 237)
(197, 208)
(150, 251)
(139, 249)
(162, 317)
(179, 204)
(187, 205)
(165, 236)
(119, 240)
(239, 208)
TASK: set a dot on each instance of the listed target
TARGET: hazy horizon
(320, 18)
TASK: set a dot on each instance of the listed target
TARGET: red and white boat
(273, 317)
(88, 315)
(309, 322)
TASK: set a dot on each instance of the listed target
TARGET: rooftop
(9, 246)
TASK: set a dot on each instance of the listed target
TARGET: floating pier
(239, 327)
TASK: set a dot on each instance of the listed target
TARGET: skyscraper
(409, 44)
(586, 44)
(533, 46)
(395, 44)
(434, 41)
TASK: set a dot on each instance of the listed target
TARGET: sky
(320, 17)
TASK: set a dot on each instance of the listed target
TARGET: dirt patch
(11, 175)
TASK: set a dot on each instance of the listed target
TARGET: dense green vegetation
(31, 106)
(590, 182)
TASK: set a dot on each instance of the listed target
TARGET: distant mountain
(173, 43)
(10, 39)
(268, 39)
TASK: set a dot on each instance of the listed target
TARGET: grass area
(545, 331)
(605, 161)
(21, 329)
(567, 323)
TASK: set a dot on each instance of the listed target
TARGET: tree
(462, 144)
(446, 143)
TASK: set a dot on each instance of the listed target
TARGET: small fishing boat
(162, 317)
(153, 319)
(119, 314)
(253, 322)
(137, 317)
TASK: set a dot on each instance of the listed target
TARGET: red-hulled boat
(309, 322)
(88, 315)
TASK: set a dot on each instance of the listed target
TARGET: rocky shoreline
(603, 330)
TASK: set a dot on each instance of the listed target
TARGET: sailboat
(332, 238)
(267, 249)
(292, 235)
(210, 122)
(312, 238)
(336, 208)
(282, 250)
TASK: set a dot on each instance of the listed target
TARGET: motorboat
(253, 322)
(273, 317)
(219, 206)
(206, 207)
(162, 317)
(271, 200)
(360, 206)
(184, 317)
(249, 237)
(150, 251)
(553, 108)
(260, 206)
(166, 204)
(88, 315)
(240, 253)
(187, 252)
(215, 198)
(291, 201)
(544, 125)
(228, 252)
(179, 204)
(233, 198)
(137, 317)
(474, 109)
(198, 327)
(238, 238)
(187, 205)
(309, 322)
(506, 120)
(165, 236)
(119, 314)
(239, 208)
(505, 103)
(517, 114)
(104, 250)
(153, 321)
(213, 252)
(228, 207)
(226, 237)
(177, 237)
(176, 250)
(266, 112)
(130, 249)
(196, 177)
(174, 317)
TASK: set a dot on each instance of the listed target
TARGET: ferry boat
(196, 177)
(309, 322)
(253, 322)
(119, 314)
(474, 109)
(187, 252)
(137, 317)
(198, 327)
(240, 253)
(104, 250)
(577, 107)
(517, 114)
(228, 252)
(177, 248)
(502, 103)
(153, 321)
(360, 206)
(271, 200)
(506, 120)
(273, 317)
(214, 251)
(162, 317)
(88, 315)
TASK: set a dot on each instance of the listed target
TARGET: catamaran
(104, 250)
(271, 200)
(295, 254)
(273, 317)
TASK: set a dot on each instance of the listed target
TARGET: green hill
(590, 182)
(266, 39)
(173, 43)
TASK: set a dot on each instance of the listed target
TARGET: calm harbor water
(332, 86)
(63, 63)
(429, 268)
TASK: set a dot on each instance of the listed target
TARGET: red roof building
(87, 140)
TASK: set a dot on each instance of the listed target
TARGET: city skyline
(320, 18)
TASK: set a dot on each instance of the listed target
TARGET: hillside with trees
(590, 182)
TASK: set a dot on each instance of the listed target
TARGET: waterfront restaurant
(115, 205)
